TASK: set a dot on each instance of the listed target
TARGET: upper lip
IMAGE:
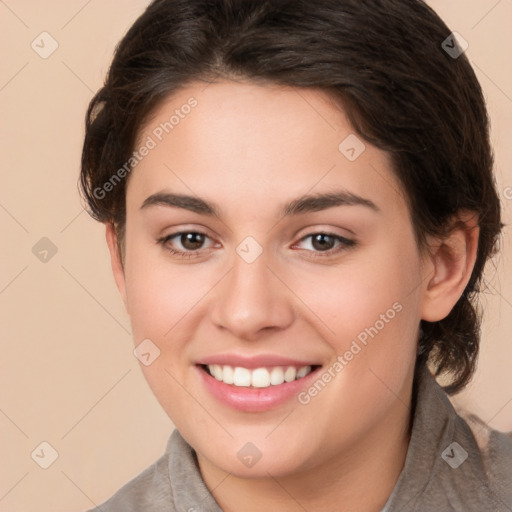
(252, 362)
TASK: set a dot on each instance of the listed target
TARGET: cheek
(379, 287)
(369, 311)
(161, 296)
(370, 317)
(164, 301)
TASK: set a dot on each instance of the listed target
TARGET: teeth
(217, 371)
(302, 372)
(276, 376)
(259, 377)
(290, 374)
(242, 377)
(228, 374)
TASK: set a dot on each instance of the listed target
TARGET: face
(270, 260)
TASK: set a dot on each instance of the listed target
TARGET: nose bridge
(251, 298)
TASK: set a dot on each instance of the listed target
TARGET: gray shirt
(452, 464)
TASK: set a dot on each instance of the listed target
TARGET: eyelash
(345, 244)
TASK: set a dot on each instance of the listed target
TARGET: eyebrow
(301, 205)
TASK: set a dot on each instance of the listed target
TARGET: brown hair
(382, 60)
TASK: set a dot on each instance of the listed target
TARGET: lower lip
(254, 399)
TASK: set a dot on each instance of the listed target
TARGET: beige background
(68, 373)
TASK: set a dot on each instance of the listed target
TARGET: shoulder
(493, 449)
(173, 483)
(149, 491)
(454, 461)
(474, 469)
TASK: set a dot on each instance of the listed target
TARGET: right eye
(191, 243)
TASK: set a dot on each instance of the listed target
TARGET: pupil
(324, 242)
(192, 241)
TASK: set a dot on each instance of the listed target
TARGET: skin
(249, 149)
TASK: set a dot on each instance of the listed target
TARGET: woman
(299, 205)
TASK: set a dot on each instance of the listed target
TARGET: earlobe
(450, 266)
(116, 261)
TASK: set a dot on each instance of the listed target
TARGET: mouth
(259, 385)
(260, 378)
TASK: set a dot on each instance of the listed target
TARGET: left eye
(190, 241)
(326, 242)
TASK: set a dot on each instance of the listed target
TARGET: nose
(252, 299)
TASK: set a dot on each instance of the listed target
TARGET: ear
(116, 261)
(449, 266)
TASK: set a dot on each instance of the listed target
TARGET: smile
(258, 377)
(255, 384)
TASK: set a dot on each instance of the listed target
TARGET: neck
(361, 478)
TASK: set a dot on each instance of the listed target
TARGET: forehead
(242, 143)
